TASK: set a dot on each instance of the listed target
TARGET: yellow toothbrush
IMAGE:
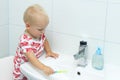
(61, 71)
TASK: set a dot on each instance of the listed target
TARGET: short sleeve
(25, 44)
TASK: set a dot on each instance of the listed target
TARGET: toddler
(33, 41)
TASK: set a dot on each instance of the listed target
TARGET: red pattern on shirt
(26, 44)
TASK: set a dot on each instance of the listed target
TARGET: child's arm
(48, 50)
(34, 61)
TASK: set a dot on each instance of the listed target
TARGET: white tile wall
(114, 1)
(17, 8)
(81, 18)
(4, 47)
(113, 23)
(93, 0)
(112, 53)
(4, 12)
(112, 38)
(15, 32)
(98, 0)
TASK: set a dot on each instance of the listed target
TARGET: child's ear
(27, 25)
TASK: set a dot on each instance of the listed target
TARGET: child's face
(37, 28)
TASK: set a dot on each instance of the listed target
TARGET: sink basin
(66, 64)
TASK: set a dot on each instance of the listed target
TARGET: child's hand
(47, 70)
(51, 54)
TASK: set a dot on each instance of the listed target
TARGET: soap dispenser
(97, 60)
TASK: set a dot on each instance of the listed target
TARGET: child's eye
(40, 29)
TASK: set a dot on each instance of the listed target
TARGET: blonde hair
(31, 11)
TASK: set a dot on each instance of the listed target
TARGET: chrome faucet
(81, 55)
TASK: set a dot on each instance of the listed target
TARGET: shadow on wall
(6, 68)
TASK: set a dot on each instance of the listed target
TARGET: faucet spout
(81, 56)
(82, 49)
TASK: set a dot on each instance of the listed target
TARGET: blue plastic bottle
(97, 60)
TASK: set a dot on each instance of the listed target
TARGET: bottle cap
(98, 51)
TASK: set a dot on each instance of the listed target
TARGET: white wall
(4, 48)
(112, 38)
(78, 20)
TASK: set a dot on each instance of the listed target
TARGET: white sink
(64, 62)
